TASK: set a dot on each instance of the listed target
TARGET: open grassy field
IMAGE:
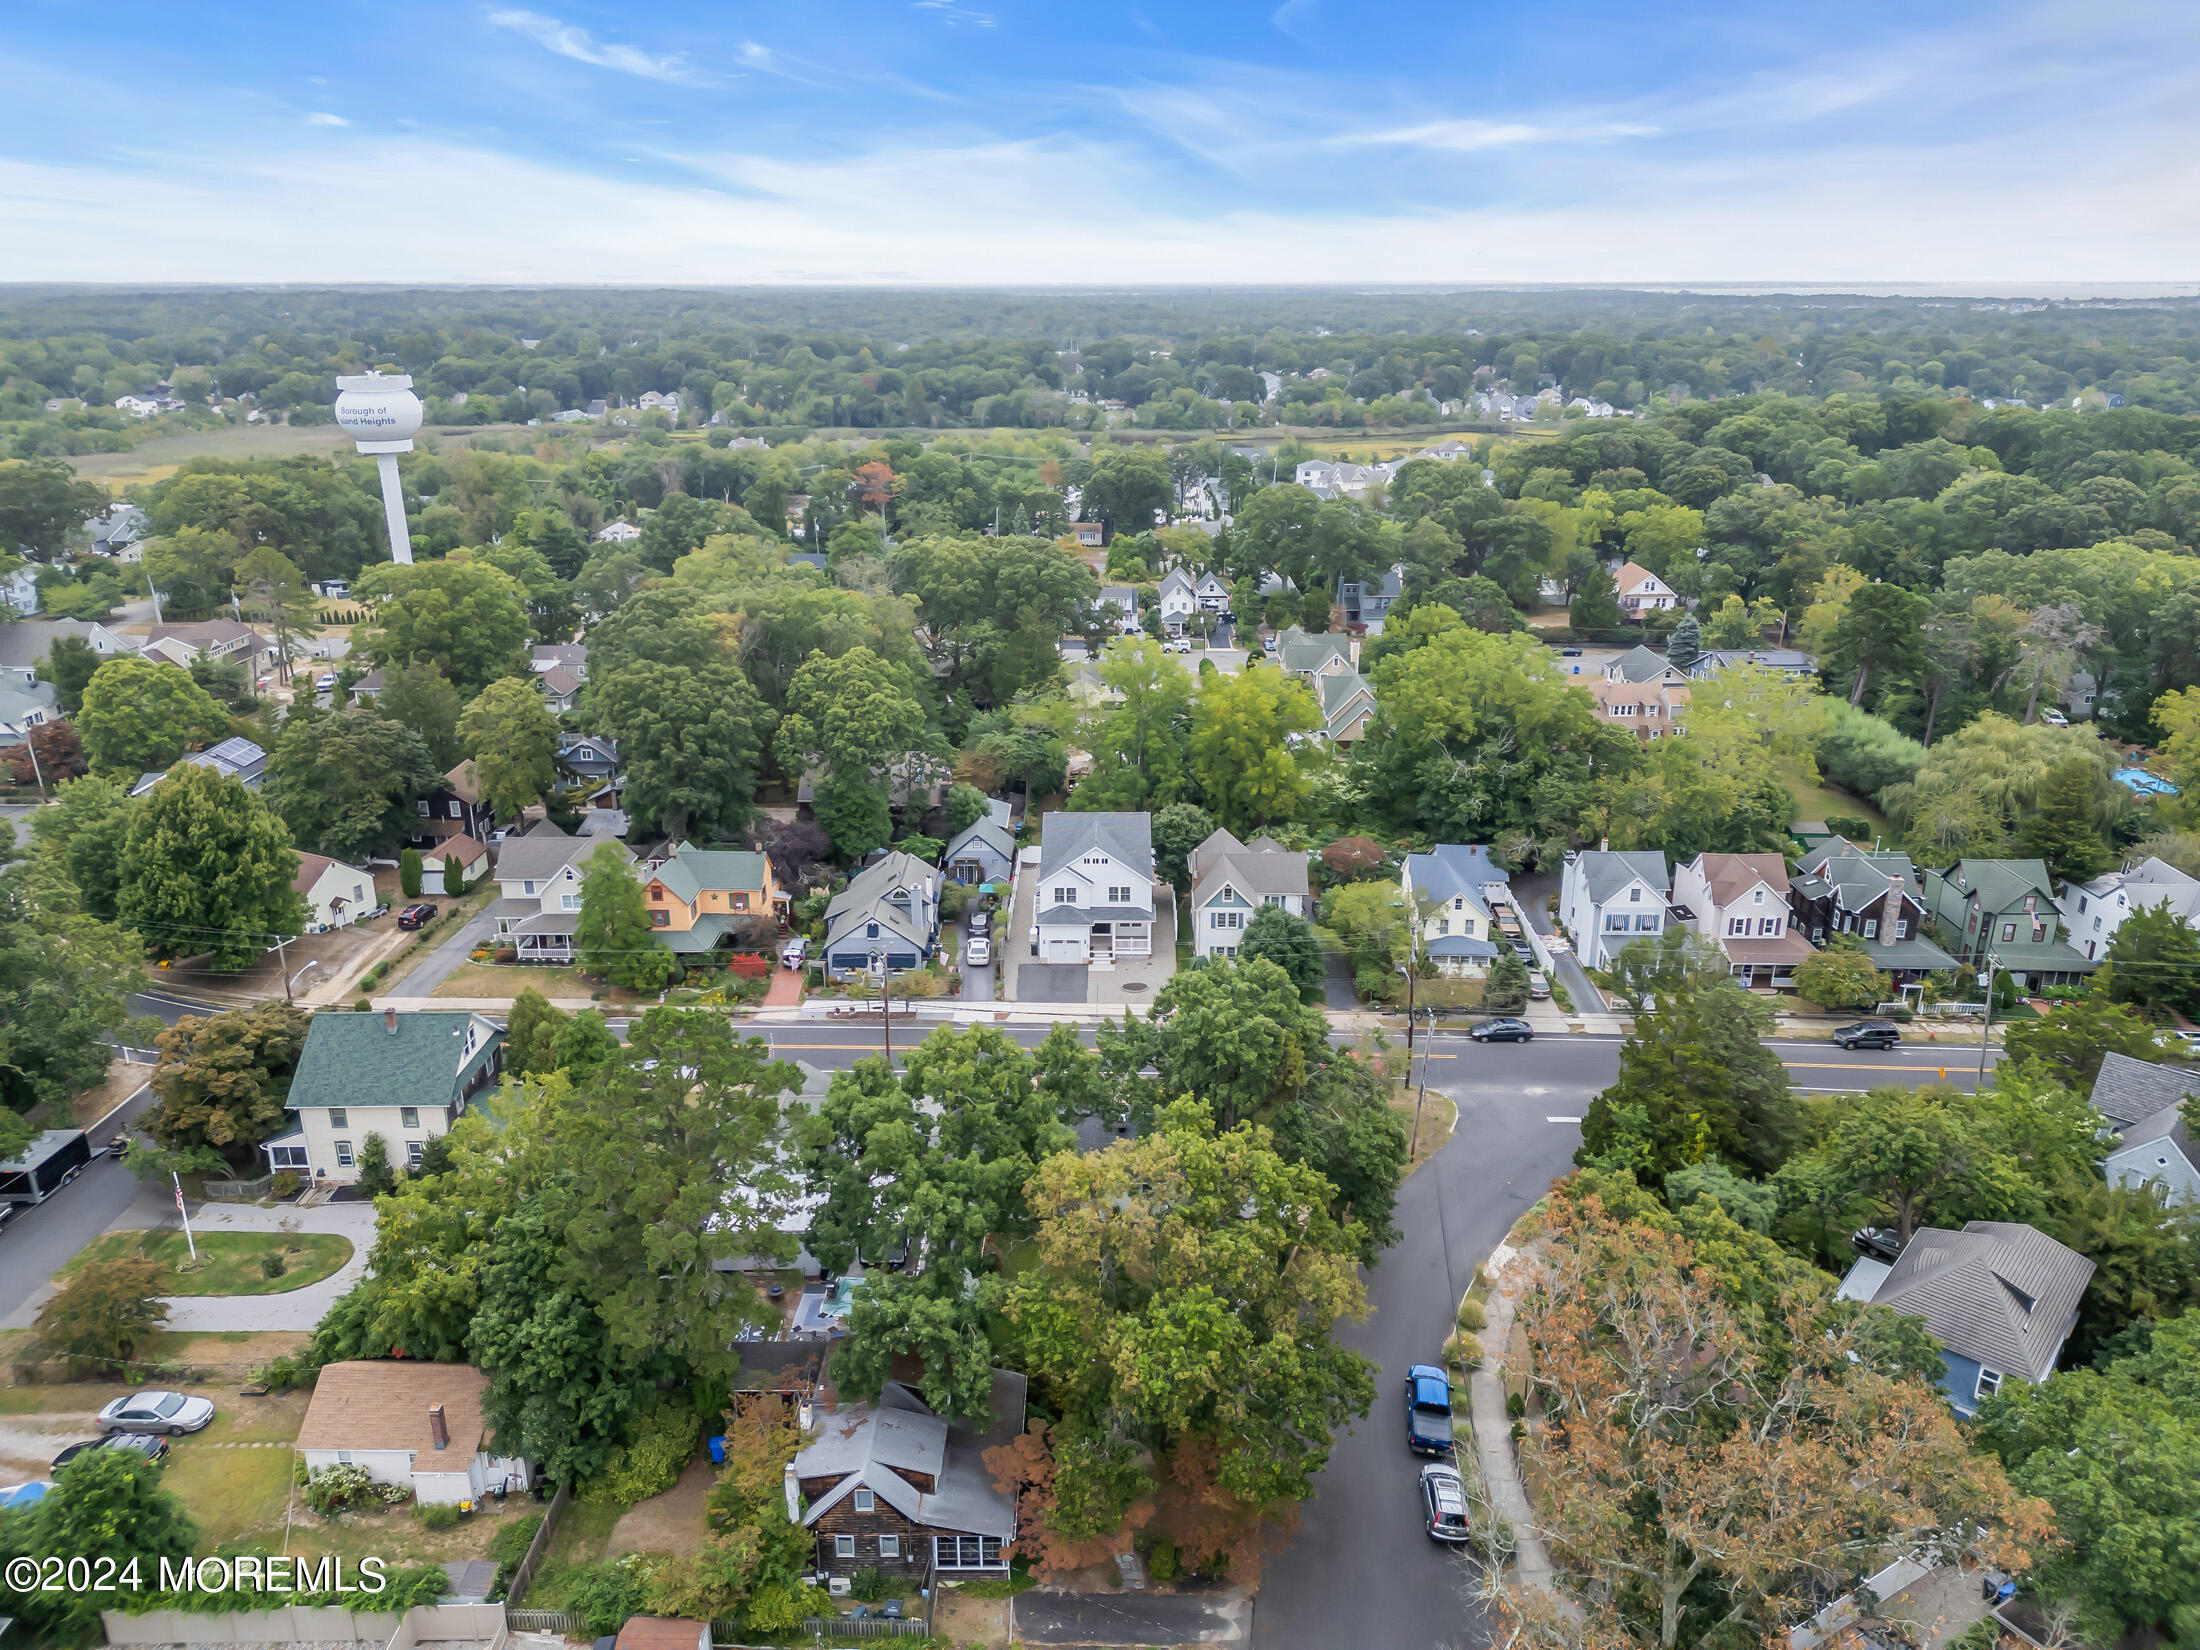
(229, 1262)
(160, 458)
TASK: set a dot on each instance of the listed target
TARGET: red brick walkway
(786, 991)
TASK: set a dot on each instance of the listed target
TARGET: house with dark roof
(2000, 1297)
(704, 899)
(1306, 654)
(1463, 888)
(891, 1486)
(1369, 601)
(538, 908)
(1095, 897)
(888, 917)
(182, 644)
(2004, 910)
(592, 761)
(408, 1423)
(1607, 900)
(405, 1077)
(1786, 660)
(1741, 903)
(454, 810)
(1233, 880)
(1639, 665)
(985, 850)
(237, 758)
(26, 641)
(2154, 1147)
(1841, 888)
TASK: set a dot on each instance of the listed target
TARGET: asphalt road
(42, 1239)
(1361, 1570)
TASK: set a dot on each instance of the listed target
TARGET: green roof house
(405, 1077)
(2004, 910)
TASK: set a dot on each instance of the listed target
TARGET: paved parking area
(1217, 1616)
(1051, 983)
(1127, 980)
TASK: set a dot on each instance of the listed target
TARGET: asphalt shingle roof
(1606, 871)
(1638, 664)
(383, 1404)
(1252, 871)
(1128, 838)
(387, 1059)
(2128, 1091)
(1450, 869)
(2003, 1294)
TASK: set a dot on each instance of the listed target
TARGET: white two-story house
(2093, 911)
(1183, 593)
(1642, 591)
(403, 1077)
(1608, 900)
(1232, 880)
(538, 908)
(1463, 888)
(1740, 902)
(1095, 899)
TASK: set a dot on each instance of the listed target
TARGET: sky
(1170, 142)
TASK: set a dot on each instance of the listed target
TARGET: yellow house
(704, 898)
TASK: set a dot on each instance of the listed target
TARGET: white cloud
(321, 117)
(952, 12)
(570, 40)
(1470, 136)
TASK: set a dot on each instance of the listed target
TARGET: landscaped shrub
(271, 1264)
(658, 1444)
(604, 1595)
(339, 1489)
(749, 965)
(1161, 1561)
(513, 1537)
(376, 1177)
(1471, 1315)
(780, 1606)
(1516, 1405)
(408, 873)
(1463, 1351)
(287, 1182)
(436, 1515)
(870, 1584)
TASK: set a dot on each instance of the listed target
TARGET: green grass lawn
(232, 1494)
(1825, 801)
(229, 1262)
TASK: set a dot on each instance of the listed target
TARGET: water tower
(382, 414)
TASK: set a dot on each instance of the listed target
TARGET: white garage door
(1065, 950)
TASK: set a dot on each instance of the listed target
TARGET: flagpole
(180, 1210)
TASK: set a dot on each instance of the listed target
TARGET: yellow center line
(1854, 1065)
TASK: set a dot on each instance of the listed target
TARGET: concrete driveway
(1213, 1616)
(1530, 895)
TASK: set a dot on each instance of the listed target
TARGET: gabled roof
(1638, 664)
(1125, 837)
(1300, 650)
(2152, 883)
(1999, 884)
(693, 870)
(1451, 869)
(988, 832)
(1339, 689)
(383, 1404)
(313, 867)
(1605, 872)
(2167, 1129)
(537, 858)
(865, 898)
(207, 633)
(388, 1059)
(1857, 875)
(26, 641)
(1175, 579)
(1730, 876)
(465, 782)
(869, 1446)
(572, 655)
(2002, 1294)
(2127, 1091)
(1254, 870)
(1631, 574)
(559, 681)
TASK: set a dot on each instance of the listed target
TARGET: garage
(1062, 948)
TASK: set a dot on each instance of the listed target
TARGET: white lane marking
(1561, 1119)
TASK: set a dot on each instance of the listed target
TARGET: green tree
(221, 1080)
(531, 1035)
(1288, 940)
(345, 781)
(690, 740)
(1685, 646)
(111, 1508)
(1596, 601)
(69, 664)
(42, 503)
(858, 718)
(1907, 1147)
(512, 739)
(1233, 1034)
(1177, 830)
(466, 618)
(418, 697)
(1840, 976)
(2064, 829)
(2153, 962)
(206, 868)
(1137, 742)
(1241, 746)
(1507, 991)
(140, 715)
(377, 1176)
(616, 940)
(408, 873)
(280, 598)
(191, 567)
(966, 805)
(1128, 487)
(106, 1310)
(66, 979)
(2069, 1044)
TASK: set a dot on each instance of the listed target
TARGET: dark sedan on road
(138, 1443)
(1444, 1503)
(1428, 1411)
(1502, 1031)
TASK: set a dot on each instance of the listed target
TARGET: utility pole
(30, 744)
(282, 954)
(1408, 973)
(1420, 1098)
(1986, 1034)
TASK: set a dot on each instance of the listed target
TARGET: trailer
(54, 1159)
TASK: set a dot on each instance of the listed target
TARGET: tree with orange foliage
(1722, 1442)
(875, 484)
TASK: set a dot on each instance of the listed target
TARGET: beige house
(336, 894)
(411, 1423)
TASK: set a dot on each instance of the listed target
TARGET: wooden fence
(546, 1621)
(848, 1627)
(537, 1550)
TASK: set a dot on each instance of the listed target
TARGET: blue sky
(1010, 141)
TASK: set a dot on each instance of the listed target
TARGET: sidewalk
(1493, 1443)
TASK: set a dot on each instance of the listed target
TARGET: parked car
(1569, 653)
(157, 1411)
(1268, 644)
(1878, 1242)
(1539, 985)
(979, 953)
(140, 1443)
(795, 952)
(1868, 1034)
(981, 923)
(1502, 1031)
(1428, 1410)
(1444, 1503)
(326, 682)
(416, 916)
(2054, 718)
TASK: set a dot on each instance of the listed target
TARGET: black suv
(1869, 1034)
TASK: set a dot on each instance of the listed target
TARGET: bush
(1162, 1562)
(658, 1444)
(513, 1537)
(1463, 1351)
(287, 1374)
(871, 1585)
(287, 1182)
(1471, 1315)
(604, 1595)
(1848, 825)
(376, 1177)
(334, 1490)
(436, 1515)
(750, 965)
(408, 873)
(1516, 1405)
(271, 1264)
(780, 1606)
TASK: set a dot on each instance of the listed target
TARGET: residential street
(42, 1239)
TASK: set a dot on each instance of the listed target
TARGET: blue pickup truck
(1428, 1411)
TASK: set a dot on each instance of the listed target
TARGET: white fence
(309, 1624)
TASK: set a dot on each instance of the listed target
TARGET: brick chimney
(389, 1021)
(438, 1429)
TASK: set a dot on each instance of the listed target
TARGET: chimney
(793, 1488)
(389, 1021)
(1604, 844)
(438, 1429)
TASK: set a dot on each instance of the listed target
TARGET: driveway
(978, 983)
(1050, 983)
(296, 1309)
(1517, 1132)
(425, 976)
(1216, 1616)
(1530, 895)
(1337, 988)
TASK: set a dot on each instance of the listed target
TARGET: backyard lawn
(229, 1263)
(1822, 802)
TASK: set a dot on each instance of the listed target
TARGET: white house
(1463, 887)
(618, 532)
(1740, 903)
(19, 592)
(1176, 600)
(23, 708)
(411, 1423)
(1232, 880)
(1642, 591)
(403, 1077)
(1119, 606)
(336, 894)
(1095, 898)
(1607, 900)
(2093, 911)
(538, 908)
